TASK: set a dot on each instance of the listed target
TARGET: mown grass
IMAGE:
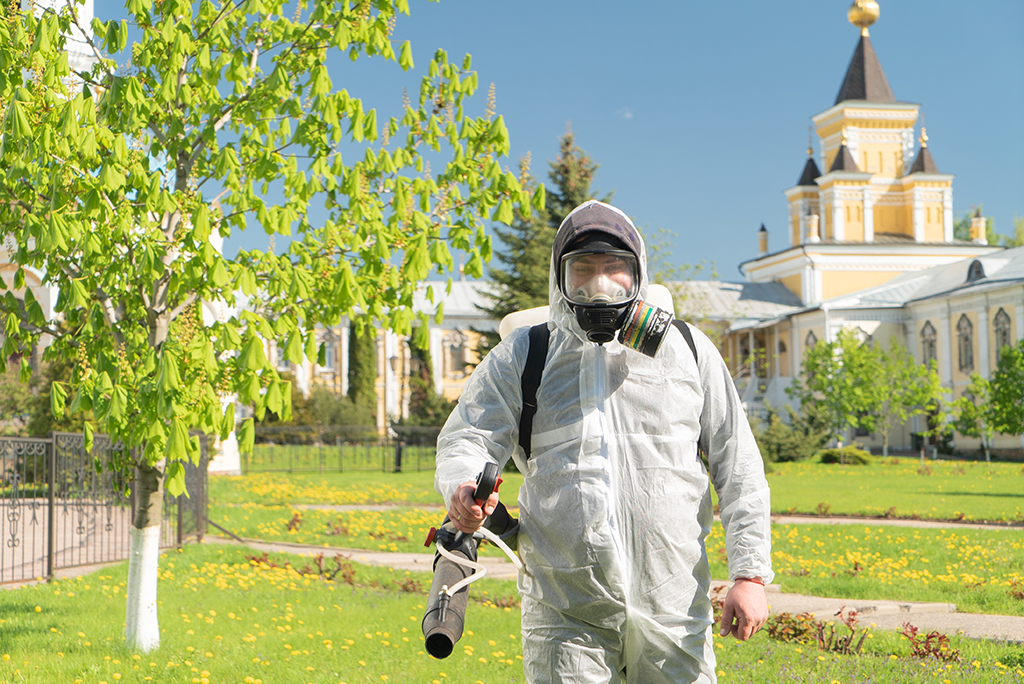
(945, 490)
(340, 488)
(980, 570)
(227, 619)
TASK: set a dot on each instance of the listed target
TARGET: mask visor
(608, 278)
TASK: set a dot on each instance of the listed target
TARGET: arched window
(331, 344)
(975, 271)
(1001, 326)
(810, 340)
(455, 354)
(965, 343)
(782, 347)
(928, 353)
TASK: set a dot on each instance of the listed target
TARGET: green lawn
(949, 490)
(952, 490)
(977, 569)
(339, 488)
(225, 619)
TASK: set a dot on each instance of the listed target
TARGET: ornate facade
(871, 249)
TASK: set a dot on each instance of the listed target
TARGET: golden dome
(863, 13)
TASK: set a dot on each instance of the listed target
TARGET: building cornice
(857, 109)
(910, 249)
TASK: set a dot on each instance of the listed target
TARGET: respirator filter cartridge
(645, 328)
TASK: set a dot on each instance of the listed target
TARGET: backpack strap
(530, 382)
(534, 369)
(688, 336)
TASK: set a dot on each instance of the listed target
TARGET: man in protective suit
(616, 502)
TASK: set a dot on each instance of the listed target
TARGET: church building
(870, 248)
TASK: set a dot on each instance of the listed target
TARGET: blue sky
(698, 112)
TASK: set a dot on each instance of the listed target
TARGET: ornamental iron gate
(61, 508)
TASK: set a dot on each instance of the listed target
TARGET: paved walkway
(882, 614)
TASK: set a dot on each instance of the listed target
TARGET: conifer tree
(362, 367)
(571, 174)
(521, 280)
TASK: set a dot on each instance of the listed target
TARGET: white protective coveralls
(616, 502)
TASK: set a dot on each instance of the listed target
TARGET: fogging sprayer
(456, 566)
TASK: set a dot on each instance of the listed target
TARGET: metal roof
(718, 300)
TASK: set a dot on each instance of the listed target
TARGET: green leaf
(177, 443)
(174, 480)
(503, 214)
(228, 421)
(405, 56)
(293, 349)
(87, 430)
(417, 259)
(539, 197)
(273, 399)
(118, 404)
(58, 395)
(246, 436)
(219, 276)
(168, 379)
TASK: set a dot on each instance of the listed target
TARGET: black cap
(596, 217)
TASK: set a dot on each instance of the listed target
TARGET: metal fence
(61, 507)
(339, 449)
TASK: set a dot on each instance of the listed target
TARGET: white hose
(479, 569)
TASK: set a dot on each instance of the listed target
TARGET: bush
(801, 628)
(797, 439)
(847, 455)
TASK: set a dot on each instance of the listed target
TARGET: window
(965, 343)
(810, 340)
(1001, 325)
(282, 362)
(782, 347)
(455, 354)
(975, 271)
(329, 353)
(928, 353)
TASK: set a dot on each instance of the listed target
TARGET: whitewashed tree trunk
(141, 626)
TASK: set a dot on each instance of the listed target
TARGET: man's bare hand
(465, 513)
(745, 610)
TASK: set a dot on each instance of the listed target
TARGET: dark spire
(843, 161)
(865, 79)
(924, 162)
(810, 173)
(763, 229)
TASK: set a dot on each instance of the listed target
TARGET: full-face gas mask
(601, 281)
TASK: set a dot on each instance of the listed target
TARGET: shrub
(847, 455)
(801, 628)
(933, 645)
(795, 439)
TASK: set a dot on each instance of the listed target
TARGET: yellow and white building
(871, 249)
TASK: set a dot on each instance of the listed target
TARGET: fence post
(51, 509)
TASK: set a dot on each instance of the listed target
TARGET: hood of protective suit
(590, 217)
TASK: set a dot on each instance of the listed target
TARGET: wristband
(755, 580)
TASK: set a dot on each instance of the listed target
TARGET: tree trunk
(142, 630)
(885, 444)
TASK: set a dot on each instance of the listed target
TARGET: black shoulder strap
(534, 370)
(530, 382)
(688, 336)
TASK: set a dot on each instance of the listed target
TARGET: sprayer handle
(486, 483)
